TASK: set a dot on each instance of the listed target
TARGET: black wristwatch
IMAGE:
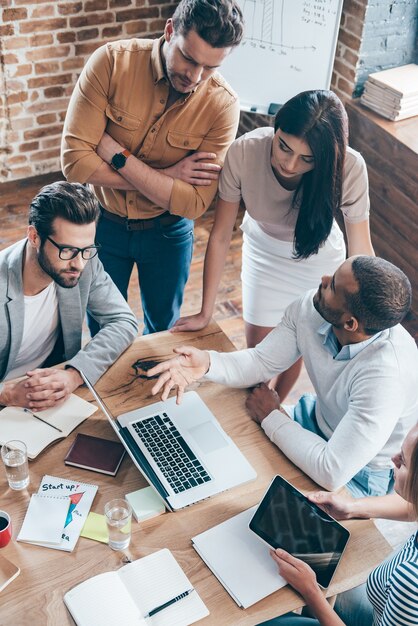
(119, 159)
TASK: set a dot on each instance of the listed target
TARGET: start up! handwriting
(61, 486)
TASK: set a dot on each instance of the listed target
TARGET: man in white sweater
(363, 366)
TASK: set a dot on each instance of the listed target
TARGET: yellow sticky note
(95, 528)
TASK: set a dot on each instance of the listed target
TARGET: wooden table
(36, 596)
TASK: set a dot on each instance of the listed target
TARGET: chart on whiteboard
(288, 46)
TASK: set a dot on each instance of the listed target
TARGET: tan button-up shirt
(123, 90)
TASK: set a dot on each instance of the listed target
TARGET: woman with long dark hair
(293, 181)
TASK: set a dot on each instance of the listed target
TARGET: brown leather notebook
(96, 454)
(8, 572)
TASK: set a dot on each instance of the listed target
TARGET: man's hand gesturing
(189, 365)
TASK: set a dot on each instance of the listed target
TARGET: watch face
(118, 160)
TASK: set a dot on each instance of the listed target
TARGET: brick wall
(44, 45)
(389, 37)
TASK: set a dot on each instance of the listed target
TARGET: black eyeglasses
(66, 253)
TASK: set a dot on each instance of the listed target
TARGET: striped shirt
(392, 588)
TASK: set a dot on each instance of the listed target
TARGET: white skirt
(272, 279)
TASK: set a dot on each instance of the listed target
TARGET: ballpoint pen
(42, 420)
(169, 603)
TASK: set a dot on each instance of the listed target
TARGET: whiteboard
(288, 47)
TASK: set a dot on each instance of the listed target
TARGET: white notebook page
(44, 520)
(102, 601)
(154, 580)
(17, 424)
(131, 592)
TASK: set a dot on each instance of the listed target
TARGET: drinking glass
(118, 514)
(15, 459)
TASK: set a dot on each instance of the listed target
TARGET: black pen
(169, 603)
(42, 420)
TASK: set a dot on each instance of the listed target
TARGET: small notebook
(96, 454)
(56, 514)
(8, 572)
(45, 519)
(17, 424)
(130, 593)
(80, 497)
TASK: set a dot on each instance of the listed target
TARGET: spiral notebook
(57, 513)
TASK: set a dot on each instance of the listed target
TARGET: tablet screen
(286, 519)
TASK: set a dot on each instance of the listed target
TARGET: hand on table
(190, 365)
(190, 323)
(194, 169)
(42, 389)
(261, 402)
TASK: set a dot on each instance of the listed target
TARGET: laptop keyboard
(175, 459)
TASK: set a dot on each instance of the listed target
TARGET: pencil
(42, 420)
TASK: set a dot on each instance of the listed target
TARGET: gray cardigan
(95, 292)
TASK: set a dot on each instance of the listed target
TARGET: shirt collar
(345, 353)
(157, 65)
(157, 60)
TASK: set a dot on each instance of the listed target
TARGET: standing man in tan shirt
(148, 125)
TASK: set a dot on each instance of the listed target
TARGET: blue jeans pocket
(178, 232)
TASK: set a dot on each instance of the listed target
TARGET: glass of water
(15, 459)
(118, 514)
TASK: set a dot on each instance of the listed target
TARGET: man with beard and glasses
(148, 125)
(47, 281)
(363, 366)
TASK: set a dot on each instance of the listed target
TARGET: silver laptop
(181, 450)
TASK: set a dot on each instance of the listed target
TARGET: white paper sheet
(239, 559)
(44, 520)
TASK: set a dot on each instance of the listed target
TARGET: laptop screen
(286, 519)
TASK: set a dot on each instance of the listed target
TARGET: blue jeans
(366, 482)
(291, 619)
(352, 607)
(162, 255)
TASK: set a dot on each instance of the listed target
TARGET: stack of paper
(393, 93)
(56, 514)
(240, 561)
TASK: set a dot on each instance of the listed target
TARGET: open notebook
(18, 424)
(131, 592)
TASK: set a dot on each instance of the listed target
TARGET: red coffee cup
(5, 529)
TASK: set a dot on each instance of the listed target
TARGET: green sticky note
(145, 503)
(95, 528)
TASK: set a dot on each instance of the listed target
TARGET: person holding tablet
(392, 588)
(293, 180)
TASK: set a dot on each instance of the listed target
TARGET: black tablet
(286, 519)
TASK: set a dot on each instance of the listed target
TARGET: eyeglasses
(66, 253)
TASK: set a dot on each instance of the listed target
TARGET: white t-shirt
(247, 174)
(40, 331)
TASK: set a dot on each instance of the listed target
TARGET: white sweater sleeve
(275, 354)
(360, 435)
